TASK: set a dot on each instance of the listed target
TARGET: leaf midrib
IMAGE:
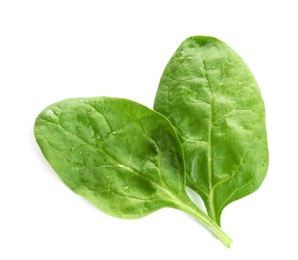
(170, 194)
(210, 155)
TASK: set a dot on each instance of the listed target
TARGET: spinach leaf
(123, 157)
(212, 99)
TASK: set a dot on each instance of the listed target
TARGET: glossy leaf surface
(123, 157)
(212, 99)
(120, 155)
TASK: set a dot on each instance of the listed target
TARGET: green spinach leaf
(123, 157)
(212, 99)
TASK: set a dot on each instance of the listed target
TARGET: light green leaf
(123, 157)
(212, 99)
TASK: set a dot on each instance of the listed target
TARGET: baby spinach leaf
(212, 99)
(123, 157)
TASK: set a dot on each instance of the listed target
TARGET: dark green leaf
(123, 157)
(212, 99)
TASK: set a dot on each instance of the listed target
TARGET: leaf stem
(198, 214)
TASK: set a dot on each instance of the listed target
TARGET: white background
(52, 50)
